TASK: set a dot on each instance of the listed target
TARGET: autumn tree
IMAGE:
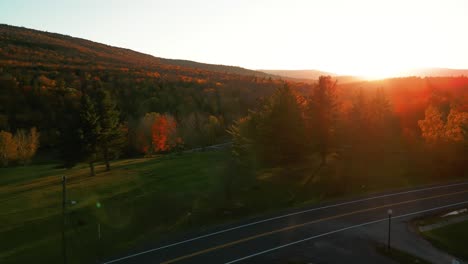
(455, 128)
(27, 144)
(163, 133)
(213, 129)
(432, 126)
(191, 129)
(322, 115)
(8, 148)
(157, 133)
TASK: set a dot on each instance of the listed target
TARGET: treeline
(77, 111)
(289, 127)
(292, 128)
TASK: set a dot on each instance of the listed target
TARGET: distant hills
(298, 74)
(314, 74)
(438, 72)
(308, 75)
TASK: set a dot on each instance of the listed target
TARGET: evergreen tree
(111, 136)
(380, 110)
(90, 131)
(323, 108)
(283, 129)
(359, 118)
(275, 134)
(70, 142)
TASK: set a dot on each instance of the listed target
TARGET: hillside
(22, 46)
(43, 76)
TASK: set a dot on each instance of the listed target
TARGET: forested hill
(28, 47)
(43, 77)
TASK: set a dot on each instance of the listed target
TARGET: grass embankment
(451, 239)
(400, 256)
(145, 200)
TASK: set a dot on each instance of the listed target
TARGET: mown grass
(138, 197)
(452, 239)
(142, 201)
(400, 256)
(149, 199)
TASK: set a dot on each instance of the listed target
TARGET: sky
(355, 37)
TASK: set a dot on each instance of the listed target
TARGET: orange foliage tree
(157, 133)
(435, 130)
(163, 133)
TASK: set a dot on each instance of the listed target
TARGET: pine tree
(275, 134)
(380, 109)
(111, 134)
(323, 108)
(90, 131)
(359, 117)
(70, 142)
(283, 129)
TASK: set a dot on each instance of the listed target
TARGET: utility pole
(64, 205)
(389, 227)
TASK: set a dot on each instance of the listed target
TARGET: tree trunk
(91, 168)
(106, 159)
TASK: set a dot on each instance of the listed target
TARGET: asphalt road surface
(255, 240)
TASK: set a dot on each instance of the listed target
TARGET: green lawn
(145, 200)
(141, 200)
(399, 256)
(452, 239)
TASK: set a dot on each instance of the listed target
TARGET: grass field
(145, 200)
(139, 197)
(140, 200)
(400, 256)
(452, 239)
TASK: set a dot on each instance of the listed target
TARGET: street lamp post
(389, 227)
(64, 207)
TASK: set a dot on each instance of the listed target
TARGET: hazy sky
(365, 37)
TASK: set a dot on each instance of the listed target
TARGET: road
(257, 240)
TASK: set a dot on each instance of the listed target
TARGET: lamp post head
(390, 212)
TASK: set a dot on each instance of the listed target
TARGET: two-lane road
(250, 240)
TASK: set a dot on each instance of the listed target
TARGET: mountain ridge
(71, 50)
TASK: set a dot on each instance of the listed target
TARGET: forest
(91, 103)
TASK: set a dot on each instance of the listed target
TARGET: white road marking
(340, 230)
(283, 216)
